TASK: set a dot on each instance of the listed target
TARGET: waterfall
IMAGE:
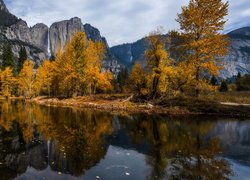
(49, 50)
(48, 147)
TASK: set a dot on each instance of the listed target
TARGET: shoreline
(124, 105)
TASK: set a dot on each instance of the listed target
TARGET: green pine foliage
(7, 56)
(243, 82)
(22, 57)
(223, 86)
(122, 79)
(213, 81)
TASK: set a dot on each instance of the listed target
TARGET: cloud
(120, 21)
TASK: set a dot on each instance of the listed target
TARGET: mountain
(238, 59)
(42, 41)
(6, 18)
(128, 53)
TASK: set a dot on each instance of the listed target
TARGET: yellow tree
(93, 76)
(157, 60)
(78, 67)
(8, 82)
(200, 43)
(44, 77)
(26, 79)
(138, 81)
(105, 82)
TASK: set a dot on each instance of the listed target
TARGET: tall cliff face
(130, 53)
(61, 32)
(34, 39)
(238, 59)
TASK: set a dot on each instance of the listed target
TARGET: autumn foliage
(77, 70)
(180, 63)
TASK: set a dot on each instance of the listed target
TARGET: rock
(6, 18)
(238, 59)
(39, 36)
(61, 32)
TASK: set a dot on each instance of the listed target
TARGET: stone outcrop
(61, 32)
(238, 59)
(34, 39)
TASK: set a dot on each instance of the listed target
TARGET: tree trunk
(197, 78)
(155, 87)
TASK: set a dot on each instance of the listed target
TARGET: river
(39, 142)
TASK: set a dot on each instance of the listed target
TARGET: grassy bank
(206, 104)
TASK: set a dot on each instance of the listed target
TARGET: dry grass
(232, 97)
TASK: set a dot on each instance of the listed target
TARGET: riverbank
(173, 106)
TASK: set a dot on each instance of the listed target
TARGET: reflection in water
(48, 142)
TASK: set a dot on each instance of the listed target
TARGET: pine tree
(223, 86)
(200, 41)
(122, 78)
(22, 57)
(213, 81)
(7, 57)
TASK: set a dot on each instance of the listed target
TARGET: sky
(119, 21)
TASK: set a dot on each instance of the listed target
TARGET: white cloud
(120, 21)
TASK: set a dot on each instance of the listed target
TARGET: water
(38, 142)
(49, 48)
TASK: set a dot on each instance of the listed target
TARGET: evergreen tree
(7, 56)
(213, 81)
(22, 57)
(223, 86)
(122, 78)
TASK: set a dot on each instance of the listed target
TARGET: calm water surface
(38, 142)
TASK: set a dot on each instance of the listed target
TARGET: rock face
(238, 59)
(129, 53)
(41, 41)
(61, 32)
(17, 32)
(34, 39)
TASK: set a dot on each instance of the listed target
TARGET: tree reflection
(73, 140)
(180, 149)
